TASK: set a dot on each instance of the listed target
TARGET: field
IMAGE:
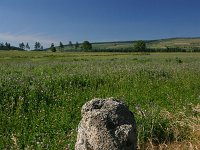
(176, 42)
(41, 94)
(183, 43)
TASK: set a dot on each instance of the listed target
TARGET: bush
(86, 46)
(140, 46)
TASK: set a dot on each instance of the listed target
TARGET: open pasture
(41, 94)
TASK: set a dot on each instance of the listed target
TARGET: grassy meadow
(41, 94)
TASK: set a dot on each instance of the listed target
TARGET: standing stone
(107, 124)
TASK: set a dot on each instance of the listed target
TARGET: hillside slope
(175, 42)
(183, 43)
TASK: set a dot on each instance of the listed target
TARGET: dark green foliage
(7, 46)
(21, 46)
(70, 43)
(3, 47)
(52, 48)
(37, 46)
(27, 46)
(76, 45)
(178, 60)
(61, 46)
(140, 46)
(86, 46)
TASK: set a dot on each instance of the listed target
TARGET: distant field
(184, 43)
(41, 94)
(179, 42)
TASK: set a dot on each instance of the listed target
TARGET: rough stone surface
(107, 124)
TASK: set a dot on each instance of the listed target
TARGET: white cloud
(31, 38)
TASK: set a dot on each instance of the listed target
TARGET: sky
(52, 21)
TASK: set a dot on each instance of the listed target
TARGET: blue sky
(50, 21)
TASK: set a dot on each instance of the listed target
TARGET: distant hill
(178, 43)
(160, 43)
(186, 44)
(175, 42)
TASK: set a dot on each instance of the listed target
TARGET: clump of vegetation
(157, 126)
(53, 49)
(86, 46)
(140, 46)
(178, 60)
(7, 46)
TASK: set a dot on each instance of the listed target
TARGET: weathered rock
(107, 124)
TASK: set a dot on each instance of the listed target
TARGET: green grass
(41, 94)
(176, 42)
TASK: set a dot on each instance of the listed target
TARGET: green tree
(53, 49)
(61, 46)
(27, 46)
(37, 46)
(70, 43)
(22, 45)
(86, 46)
(7, 46)
(76, 45)
(140, 46)
(2, 44)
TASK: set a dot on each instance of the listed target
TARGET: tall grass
(41, 95)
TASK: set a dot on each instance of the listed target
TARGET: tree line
(85, 46)
(37, 46)
(7, 46)
(138, 46)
